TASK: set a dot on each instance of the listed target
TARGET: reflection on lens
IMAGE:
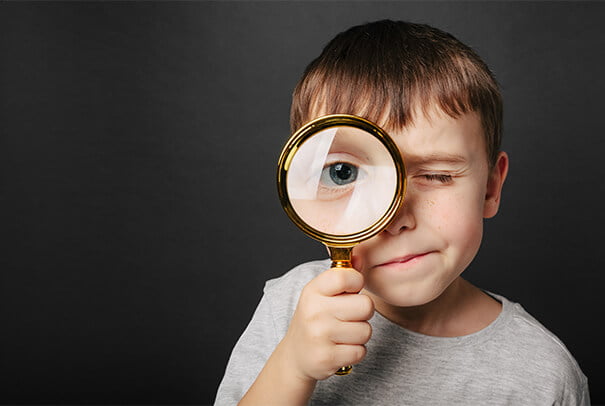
(341, 180)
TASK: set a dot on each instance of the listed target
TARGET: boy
(418, 332)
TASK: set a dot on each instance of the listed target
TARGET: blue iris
(342, 173)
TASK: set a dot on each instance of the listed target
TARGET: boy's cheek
(364, 254)
(359, 257)
(357, 261)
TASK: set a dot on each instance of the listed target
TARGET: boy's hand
(330, 325)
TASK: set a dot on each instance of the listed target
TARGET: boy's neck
(460, 310)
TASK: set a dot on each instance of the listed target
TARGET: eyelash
(439, 177)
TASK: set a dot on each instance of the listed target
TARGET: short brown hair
(384, 70)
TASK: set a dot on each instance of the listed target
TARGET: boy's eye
(438, 177)
(340, 174)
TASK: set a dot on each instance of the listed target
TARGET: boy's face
(438, 231)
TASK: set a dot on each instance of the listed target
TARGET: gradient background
(138, 209)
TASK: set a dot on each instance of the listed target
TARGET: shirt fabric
(513, 361)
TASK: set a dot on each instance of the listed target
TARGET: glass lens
(341, 180)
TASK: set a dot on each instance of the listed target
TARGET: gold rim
(309, 129)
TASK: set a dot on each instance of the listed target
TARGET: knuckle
(340, 279)
(366, 306)
(367, 332)
(358, 354)
(354, 279)
(319, 329)
(359, 278)
(309, 321)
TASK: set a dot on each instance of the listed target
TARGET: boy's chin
(403, 297)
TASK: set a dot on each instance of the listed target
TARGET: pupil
(342, 173)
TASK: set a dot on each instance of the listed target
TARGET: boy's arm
(278, 384)
(249, 355)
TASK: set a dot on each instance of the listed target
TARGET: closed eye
(439, 177)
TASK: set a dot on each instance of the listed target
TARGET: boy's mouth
(403, 260)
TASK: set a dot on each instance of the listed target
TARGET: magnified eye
(340, 173)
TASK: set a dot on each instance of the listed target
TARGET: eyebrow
(436, 158)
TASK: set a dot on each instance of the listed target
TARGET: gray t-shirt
(513, 361)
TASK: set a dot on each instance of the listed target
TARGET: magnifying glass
(341, 180)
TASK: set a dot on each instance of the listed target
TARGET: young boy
(418, 333)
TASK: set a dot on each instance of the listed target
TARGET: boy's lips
(402, 260)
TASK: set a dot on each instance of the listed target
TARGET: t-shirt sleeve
(549, 368)
(249, 355)
(576, 394)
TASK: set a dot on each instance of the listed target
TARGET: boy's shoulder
(528, 343)
(297, 277)
(282, 293)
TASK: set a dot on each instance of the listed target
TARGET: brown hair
(385, 70)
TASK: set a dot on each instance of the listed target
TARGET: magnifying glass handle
(341, 258)
(344, 370)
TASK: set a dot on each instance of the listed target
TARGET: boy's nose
(403, 220)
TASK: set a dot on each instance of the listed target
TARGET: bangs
(387, 72)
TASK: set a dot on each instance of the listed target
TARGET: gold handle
(341, 258)
(344, 370)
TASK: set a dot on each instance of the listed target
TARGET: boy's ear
(494, 186)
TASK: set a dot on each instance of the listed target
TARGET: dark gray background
(138, 210)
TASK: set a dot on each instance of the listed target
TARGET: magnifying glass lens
(341, 180)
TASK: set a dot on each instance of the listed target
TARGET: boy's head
(389, 72)
(443, 109)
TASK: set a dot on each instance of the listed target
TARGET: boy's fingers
(352, 307)
(351, 332)
(346, 354)
(335, 281)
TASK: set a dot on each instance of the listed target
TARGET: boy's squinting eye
(438, 177)
(339, 174)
